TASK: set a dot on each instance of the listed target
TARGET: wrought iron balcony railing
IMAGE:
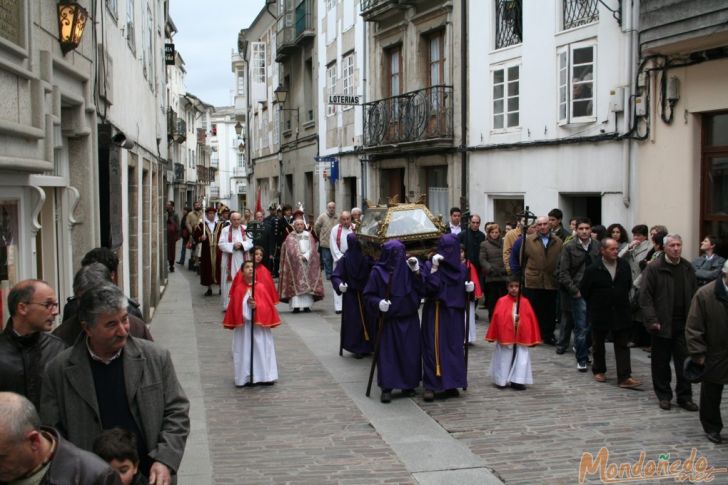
(508, 23)
(579, 12)
(416, 116)
(376, 10)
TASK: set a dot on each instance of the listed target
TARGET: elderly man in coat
(109, 379)
(706, 334)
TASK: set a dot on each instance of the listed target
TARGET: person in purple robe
(349, 278)
(394, 289)
(443, 333)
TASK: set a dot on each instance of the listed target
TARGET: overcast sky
(207, 34)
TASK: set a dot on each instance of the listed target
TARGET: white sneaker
(581, 367)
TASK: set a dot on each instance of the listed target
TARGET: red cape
(266, 298)
(501, 328)
(473, 276)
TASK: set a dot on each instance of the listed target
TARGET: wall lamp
(72, 19)
(281, 94)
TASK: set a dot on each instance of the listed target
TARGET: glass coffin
(413, 224)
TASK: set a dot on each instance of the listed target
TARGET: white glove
(384, 305)
(436, 260)
(469, 286)
(343, 287)
(413, 264)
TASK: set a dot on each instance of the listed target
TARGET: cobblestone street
(316, 426)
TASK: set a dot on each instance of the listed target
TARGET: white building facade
(549, 101)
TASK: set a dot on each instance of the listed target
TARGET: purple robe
(356, 316)
(400, 363)
(445, 295)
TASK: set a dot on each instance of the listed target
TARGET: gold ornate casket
(413, 224)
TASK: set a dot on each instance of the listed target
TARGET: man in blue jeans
(575, 257)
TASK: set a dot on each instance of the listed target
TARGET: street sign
(169, 54)
(344, 100)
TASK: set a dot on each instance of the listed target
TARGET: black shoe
(267, 383)
(665, 404)
(208, 292)
(688, 406)
(560, 350)
(338, 312)
(306, 310)
(408, 392)
(181, 262)
(296, 310)
(518, 387)
(386, 396)
(358, 356)
(428, 395)
(171, 269)
(714, 437)
(452, 393)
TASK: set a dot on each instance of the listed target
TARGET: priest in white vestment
(235, 246)
(338, 247)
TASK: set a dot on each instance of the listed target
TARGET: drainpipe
(364, 164)
(464, 101)
(631, 52)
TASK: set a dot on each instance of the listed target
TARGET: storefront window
(714, 184)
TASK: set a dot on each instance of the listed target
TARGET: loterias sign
(345, 100)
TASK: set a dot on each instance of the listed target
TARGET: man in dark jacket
(667, 287)
(576, 256)
(26, 347)
(605, 287)
(706, 333)
(30, 453)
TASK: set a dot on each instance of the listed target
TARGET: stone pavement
(316, 426)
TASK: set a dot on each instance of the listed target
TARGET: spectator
(557, 229)
(118, 448)
(453, 226)
(26, 346)
(109, 379)
(619, 234)
(598, 232)
(491, 262)
(322, 229)
(668, 285)
(707, 266)
(32, 453)
(707, 341)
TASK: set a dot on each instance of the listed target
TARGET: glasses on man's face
(49, 305)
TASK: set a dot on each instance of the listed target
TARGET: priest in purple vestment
(349, 278)
(443, 332)
(394, 289)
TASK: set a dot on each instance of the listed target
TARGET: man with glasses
(26, 345)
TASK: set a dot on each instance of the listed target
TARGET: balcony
(239, 172)
(294, 26)
(179, 173)
(377, 10)
(422, 117)
(682, 27)
(203, 175)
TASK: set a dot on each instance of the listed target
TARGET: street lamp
(238, 128)
(71, 22)
(281, 94)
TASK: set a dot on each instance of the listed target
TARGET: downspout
(628, 151)
(464, 101)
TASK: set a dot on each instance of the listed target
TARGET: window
(130, 38)
(394, 68)
(437, 58)
(331, 87)
(258, 62)
(508, 23)
(240, 160)
(579, 12)
(330, 4)
(240, 83)
(113, 8)
(576, 83)
(148, 42)
(506, 102)
(347, 76)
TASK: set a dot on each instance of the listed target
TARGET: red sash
(338, 238)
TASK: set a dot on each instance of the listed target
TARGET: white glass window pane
(583, 55)
(498, 106)
(498, 121)
(498, 76)
(513, 88)
(513, 119)
(513, 73)
(498, 91)
(513, 104)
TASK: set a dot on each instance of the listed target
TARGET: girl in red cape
(477, 295)
(507, 330)
(242, 309)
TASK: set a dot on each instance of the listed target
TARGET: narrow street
(316, 426)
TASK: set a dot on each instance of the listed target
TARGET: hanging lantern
(71, 22)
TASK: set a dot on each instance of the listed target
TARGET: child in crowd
(512, 324)
(118, 447)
